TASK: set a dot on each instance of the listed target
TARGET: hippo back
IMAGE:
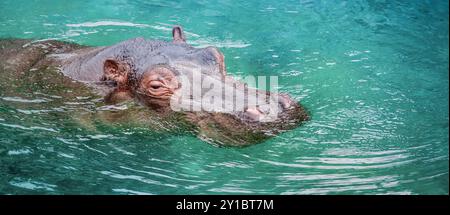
(140, 54)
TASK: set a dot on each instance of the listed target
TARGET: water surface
(373, 74)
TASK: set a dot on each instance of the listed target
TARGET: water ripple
(374, 82)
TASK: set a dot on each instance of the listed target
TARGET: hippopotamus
(161, 76)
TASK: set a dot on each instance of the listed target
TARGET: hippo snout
(281, 110)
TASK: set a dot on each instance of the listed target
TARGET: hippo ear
(110, 66)
(116, 71)
(178, 35)
(220, 59)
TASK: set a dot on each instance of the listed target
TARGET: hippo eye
(158, 82)
(155, 84)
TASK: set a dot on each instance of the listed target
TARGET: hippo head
(174, 77)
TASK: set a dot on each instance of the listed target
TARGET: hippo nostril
(285, 101)
(254, 114)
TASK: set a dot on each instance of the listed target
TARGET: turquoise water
(373, 74)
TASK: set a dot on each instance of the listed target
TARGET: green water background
(373, 74)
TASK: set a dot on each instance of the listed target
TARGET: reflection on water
(373, 74)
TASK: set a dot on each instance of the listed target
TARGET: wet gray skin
(162, 76)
